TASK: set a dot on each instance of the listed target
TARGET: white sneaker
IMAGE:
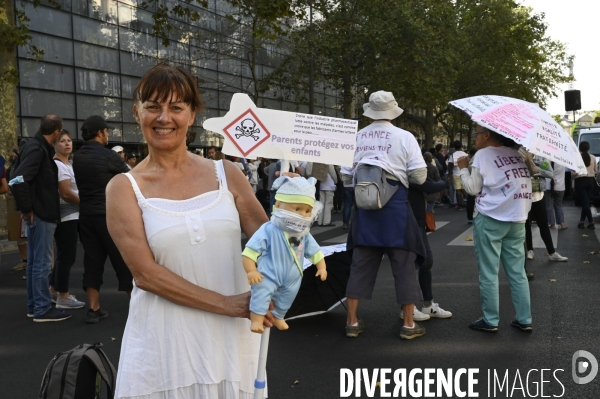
(558, 257)
(435, 311)
(417, 316)
(530, 254)
(53, 296)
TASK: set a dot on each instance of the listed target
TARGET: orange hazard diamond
(247, 132)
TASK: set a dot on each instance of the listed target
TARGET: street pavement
(305, 361)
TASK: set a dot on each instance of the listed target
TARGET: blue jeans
(40, 238)
(554, 207)
(348, 202)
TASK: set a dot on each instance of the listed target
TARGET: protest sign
(259, 132)
(319, 171)
(526, 124)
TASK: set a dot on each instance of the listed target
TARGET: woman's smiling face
(164, 124)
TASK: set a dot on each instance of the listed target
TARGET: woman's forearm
(159, 280)
(70, 196)
(472, 182)
(66, 193)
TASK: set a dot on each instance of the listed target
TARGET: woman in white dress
(177, 219)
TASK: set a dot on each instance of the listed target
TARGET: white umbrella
(526, 124)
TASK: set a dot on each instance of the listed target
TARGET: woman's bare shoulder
(234, 175)
(118, 186)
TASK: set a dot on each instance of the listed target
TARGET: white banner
(525, 123)
(252, 132)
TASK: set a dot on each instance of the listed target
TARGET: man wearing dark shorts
(94, 165)
(393, 229)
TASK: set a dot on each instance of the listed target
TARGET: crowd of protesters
(151, 229)
(81, 207)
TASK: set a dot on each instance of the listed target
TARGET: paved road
(305, 361)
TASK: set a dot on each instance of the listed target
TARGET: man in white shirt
(393, 229)
(455, 175)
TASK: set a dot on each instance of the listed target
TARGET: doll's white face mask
(293, 223)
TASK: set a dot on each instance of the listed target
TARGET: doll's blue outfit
(280, 262)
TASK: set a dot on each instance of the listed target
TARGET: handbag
(429, 221)
(371, 189)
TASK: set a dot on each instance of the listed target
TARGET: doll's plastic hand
(254, 277)
(323, 274)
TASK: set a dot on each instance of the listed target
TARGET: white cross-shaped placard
(252, 132)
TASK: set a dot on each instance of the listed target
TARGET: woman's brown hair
(584, 147)
(64, 132)
(163, 81)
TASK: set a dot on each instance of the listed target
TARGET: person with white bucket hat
(392, 229)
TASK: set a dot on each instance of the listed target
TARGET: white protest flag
(252, 132)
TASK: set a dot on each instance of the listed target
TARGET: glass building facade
(95, 52)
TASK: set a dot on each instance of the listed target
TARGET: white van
(591, 135)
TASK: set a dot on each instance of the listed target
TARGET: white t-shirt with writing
(455, 156)
(506, 193)
(65, 172)
(393, 149)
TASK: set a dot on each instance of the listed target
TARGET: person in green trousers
(501, 182)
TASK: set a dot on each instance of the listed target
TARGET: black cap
(132, 155)
(92, 125)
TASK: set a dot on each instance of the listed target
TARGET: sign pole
(260, 382)
(285, 167)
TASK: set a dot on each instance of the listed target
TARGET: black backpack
(78, 374)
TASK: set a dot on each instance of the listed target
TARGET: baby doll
(279, 248)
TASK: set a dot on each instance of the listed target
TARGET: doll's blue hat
(295, 190)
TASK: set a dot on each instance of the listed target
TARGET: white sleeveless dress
(175, 352)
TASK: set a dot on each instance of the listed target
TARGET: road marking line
(438, 225)
(461, 240)
(344, 237)
(316, 229)
(537, 238)
(537, 241)
(337, 240)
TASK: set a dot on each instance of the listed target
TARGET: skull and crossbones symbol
(247, 128)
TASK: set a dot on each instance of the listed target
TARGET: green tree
(428, 53)
(419, 61)
(342, 40)
(557, 118)
(254, 31)
(504, 50)
(11, 35)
